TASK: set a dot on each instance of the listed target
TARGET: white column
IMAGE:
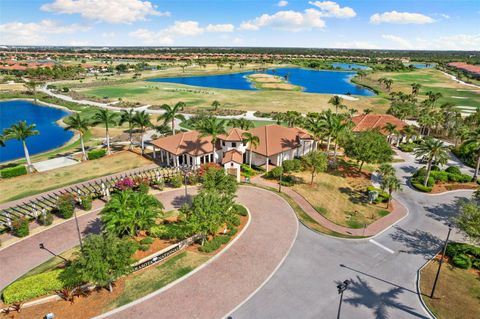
(168, 158)
(154, 152)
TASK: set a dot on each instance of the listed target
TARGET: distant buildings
(474, 70)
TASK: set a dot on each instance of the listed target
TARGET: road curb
(419, 293)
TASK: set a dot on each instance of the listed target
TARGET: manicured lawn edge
(419, 291)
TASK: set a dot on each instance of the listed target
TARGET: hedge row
(13, 171)
(463, 255)
(95, 154)
(33, 287)
(407, 147)
(214, 244)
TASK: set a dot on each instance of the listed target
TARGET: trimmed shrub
(234, 220)
(177, 231)
(176, 181)
(143, 188)
(462, 261)
(86, 203)
(417, 182)
(247, 171)
(241, 210)
(453, 170)
(160, 184)
(382, 195)
(20, 227)
(288, 180)
(193, 179)
(407, 147)
(439, 176)
(46, 219)
(33, 287)
(476, 264)
(288, 166)
(274, 173)
(66, 205)
(10, 172)
(214, 244)
(435, 168)
(144, 247)
(146, 241)
(420, 172)
(95, 154)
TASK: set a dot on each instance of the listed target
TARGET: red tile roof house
(277, 143)
(366, 122)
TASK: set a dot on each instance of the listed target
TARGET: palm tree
(415, 88)
(338, 128)
(215, 105)
(252, 141)
(76, 122)
(241, 123)
(328, 120)
(386, 170)
(433, 97)
(279, 117)
(392, 184)
(367, 111)
(432, 150)
(391, 129)
(409, 131)
(213, 127)
(32, 87)
(313, 123)
(128, 117)
(473, 143)
(451, 116)
(172, 113)
(107, 118)
(292, 118)
(21, 131)
(142, 120)
(337, 102)
(388, 84)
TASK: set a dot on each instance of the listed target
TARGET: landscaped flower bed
(439, 180)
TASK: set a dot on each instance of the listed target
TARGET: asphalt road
(383, 272)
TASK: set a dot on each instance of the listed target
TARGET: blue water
(51, 135)
(312, 81)
(423, 65)
(349, 66)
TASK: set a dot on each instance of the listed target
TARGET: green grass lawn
(154, 278)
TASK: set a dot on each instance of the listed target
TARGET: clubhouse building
(277, 144)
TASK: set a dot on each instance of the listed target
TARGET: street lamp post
(42, 246)
(185, 170)
(280, 181)
(441, 261)
(78, 230)
(341, 288)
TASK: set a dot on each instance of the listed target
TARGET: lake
(312, 81)
(350, 66)
(51, 135)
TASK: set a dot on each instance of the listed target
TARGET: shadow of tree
(93, 227)
(409, 169)
(445, 212)
(354, 196)
(379, 303)
(179, 201)
(417, 242)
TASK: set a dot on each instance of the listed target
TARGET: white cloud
(333, 9)
(35, 33)
(282, 3)
(400, 18)
(401, 42)
(184, 28)
(286, 20)
(111, 11)
(150, 37)
(220, 28)
(108, 34)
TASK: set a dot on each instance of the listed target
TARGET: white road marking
(381, 246)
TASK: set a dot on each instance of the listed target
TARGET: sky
(365, 24)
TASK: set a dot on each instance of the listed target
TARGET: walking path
(214, 290)
(399, 212)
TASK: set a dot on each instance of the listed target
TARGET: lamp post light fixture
(185, 170)
(441, 261)
(341, 288)
(42, 246)
(78, 230)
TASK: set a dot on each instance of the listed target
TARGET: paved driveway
(383, 272)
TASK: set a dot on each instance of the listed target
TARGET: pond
(45, 117)
(423, 65)
(349, 66)
(312, 81)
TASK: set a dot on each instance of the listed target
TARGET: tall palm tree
(432, 150)
(241, 123)
(337, 102)
(329, 122)
(171, 113)
(450, 117)
(213, 127)
(314, 124)
(128, 117)
(415, 88)
(142, 120)
(391, 129)
(367, 111)
(388, 84)
(473, 143)
(279, 117)
(252, 141)
(32, 87)
(21, 131)
(107, 118)
(392, 184)
(409, 131)
(292, 118)
(339, 127)
(433, 97)
(76, 122)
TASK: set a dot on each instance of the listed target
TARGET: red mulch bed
(445, 187)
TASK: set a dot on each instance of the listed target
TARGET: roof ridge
(266, 141)
(181, 141)
(379, 119)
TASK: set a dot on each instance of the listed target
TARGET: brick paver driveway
(211, 292)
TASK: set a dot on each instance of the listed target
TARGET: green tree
(215, 180)
(128, 212)
(103, 259)
(316, 162)
(129, 117)
(415, 88)
(107, 118)
(386, 170)
(337, 102)
(21, 131)
(391, 129)
(252, 141)
(241, 123)
(216, 105)
(212, 127)
(171, 113)
(2, 140)
(279, 118)
(142, 120)
(431, 150)
(368, 147)
(468, 220)
(32, 88)
(292, 118)
(80, 124)
(330, 122)
(392, 184)
(473, 143)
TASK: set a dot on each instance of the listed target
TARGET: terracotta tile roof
(275, 138)
(371, 121)
(186, 142)
(234, 135)
(475, 69)
(232, 156)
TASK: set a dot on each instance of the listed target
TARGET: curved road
(383, 272)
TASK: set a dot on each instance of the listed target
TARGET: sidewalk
(399, 211)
